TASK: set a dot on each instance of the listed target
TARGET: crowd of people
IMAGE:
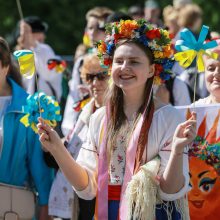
(119, 125)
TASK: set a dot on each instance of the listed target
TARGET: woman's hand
(26, 39)
(48, 136)
(51, 141)
(184, 134)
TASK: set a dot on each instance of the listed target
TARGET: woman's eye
(207, 184)
(91, 28)
(118, 61)
(211, 68)
(134, 61)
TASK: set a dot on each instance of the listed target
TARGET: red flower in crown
(116, 37)
(107, 62)
(158, 69)
(152, 34)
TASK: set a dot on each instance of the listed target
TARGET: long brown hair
(115, 103)
(6, 60)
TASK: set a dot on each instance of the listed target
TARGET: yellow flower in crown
(157, 80)
(156, 39)
(102, 47)
(165, 33)
(158, 54)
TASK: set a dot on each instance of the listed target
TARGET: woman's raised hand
(48, 136)
(184, 134)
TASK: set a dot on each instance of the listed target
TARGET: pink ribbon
(129, 167)
(103, 171)
(103, 175)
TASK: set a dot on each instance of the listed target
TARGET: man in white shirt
(32, 37)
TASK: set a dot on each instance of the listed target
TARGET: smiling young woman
(131, 130)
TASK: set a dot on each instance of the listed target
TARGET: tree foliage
(66, 18)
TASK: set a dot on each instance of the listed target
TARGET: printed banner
(204, 163)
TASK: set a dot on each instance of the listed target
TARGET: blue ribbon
(19, 53)
(189, 42)
(49, 109)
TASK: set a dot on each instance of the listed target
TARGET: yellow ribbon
(26, 64)
(185, 58)
(25, 121)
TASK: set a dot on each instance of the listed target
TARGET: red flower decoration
(152, 34)
(116, 37)
(158, 69)
(107, 62)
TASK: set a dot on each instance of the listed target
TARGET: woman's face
(97, 80)
(131, 67)
(92, 28)
(212, 76)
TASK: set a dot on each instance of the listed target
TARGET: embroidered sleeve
(88, 156)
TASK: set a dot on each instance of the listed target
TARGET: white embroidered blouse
(164, 123)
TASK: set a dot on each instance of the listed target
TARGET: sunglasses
(100, 76)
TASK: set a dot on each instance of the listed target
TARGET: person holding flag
(32, 32)
(22, 166)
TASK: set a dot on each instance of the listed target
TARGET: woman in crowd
(21, 157)
(62, 202)
(212, 78)
(131, 130)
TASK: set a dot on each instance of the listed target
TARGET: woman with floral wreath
(135, 155)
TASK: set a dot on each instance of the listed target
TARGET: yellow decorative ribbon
(26, 62)
(190, 48)
(186, 58)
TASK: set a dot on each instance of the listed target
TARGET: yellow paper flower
(157, 80)
(165, 33)
(102, 47)
(158, 54)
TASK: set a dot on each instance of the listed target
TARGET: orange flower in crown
(102, 47)
(127, 28)
(156, 39)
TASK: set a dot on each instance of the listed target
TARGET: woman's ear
(5, 70)
(151, 70)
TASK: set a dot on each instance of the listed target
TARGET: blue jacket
(21, 157)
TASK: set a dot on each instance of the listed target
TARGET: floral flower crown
(210, 153)
(156, 39)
